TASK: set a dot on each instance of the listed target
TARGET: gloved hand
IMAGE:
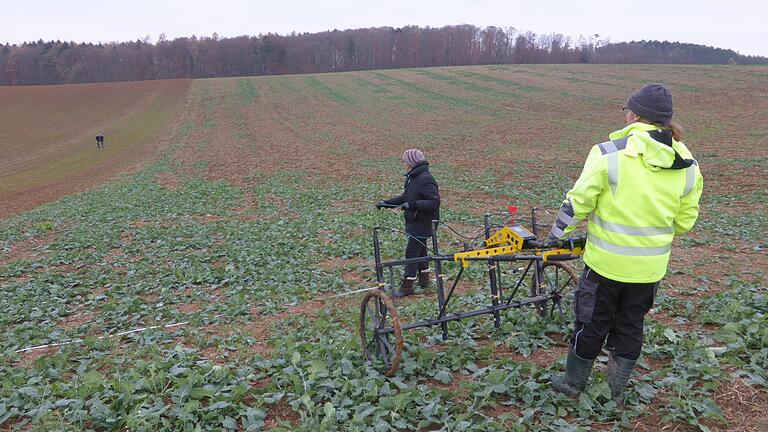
(381, 204)
(405, 206)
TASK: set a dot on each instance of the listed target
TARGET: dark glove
(381, 204)
(405, 206)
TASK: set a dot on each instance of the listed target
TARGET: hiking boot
(619, 370)
(425, 281)
(577, 371)
(406, 288)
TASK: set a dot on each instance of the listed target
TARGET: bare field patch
(47, 136)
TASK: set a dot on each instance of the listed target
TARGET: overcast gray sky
(737, 24)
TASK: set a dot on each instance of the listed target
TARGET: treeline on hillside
(372, 48)
(671, 52)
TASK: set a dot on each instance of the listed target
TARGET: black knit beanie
(653, 103)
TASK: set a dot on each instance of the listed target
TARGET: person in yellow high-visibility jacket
(636, 191)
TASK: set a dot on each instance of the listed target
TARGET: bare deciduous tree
(369, 48)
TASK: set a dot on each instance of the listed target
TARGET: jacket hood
(653, 144)
(418, 169)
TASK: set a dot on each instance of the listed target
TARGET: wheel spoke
(559, 305)
(388, 350)
(387, 345)
(370, 339)
(556, 285)
(370, 314)
(376, 314)
(384, 349)
(380, 314)
(547, 278)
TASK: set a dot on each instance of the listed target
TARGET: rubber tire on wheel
(391, 360)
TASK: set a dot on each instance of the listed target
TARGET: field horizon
(241, 207)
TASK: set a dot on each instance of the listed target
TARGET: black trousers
(415, 249)
(607, 308)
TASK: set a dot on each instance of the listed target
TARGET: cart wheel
(375, 310)
(561, 281)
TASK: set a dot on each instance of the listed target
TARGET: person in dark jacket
(420, 203)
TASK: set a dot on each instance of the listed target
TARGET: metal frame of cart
(381, 330)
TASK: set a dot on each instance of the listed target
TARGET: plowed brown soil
(47, 136)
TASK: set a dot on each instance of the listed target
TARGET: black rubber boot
(619, 370)
(406, 288)
(425, 281)
(574, 381)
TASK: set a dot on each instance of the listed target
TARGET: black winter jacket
(423, 198)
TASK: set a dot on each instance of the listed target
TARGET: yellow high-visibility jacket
(637, 191)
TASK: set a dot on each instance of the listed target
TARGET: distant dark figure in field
(99, 141)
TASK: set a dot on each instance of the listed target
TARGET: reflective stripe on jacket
(636, 192)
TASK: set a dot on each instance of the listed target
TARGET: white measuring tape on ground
(122, 333)
(356, 291)
(74, 341)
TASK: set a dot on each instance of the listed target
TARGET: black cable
(409, 236)
(472, 240)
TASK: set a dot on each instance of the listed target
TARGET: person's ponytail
(673, 126)
(677, 131)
